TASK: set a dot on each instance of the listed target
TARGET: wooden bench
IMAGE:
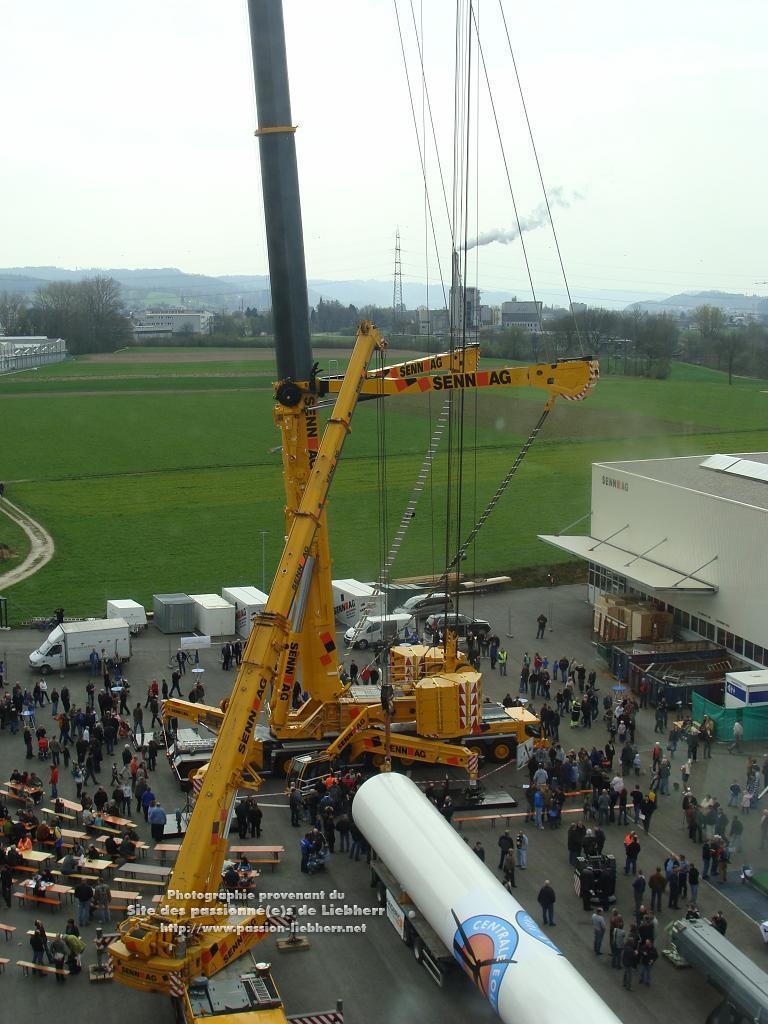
(50, 843)
(103, 828)
(271, 859)
(259, 854)
(459, 820)
(31, 897)
(3, 961)
(9, 929)
(142, 881)
(27, 966)
(58, 814)
(19, 797)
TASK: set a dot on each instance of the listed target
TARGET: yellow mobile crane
(192, 934)
(438, 719)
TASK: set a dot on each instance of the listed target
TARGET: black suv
(463, 625)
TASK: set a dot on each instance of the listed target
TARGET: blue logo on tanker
(484, 946)
(529, 926)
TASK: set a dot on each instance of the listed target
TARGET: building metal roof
(693, 474)
(650, 574)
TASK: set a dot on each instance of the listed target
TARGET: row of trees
(88, 314)
(737, 348)
(91, 317)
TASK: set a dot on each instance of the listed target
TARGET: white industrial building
(521, 314)
(690, 533)
(165, 324)
(25, 353)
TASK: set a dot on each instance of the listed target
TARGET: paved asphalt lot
(374, 973)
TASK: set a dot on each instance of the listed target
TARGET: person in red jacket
(54, 781)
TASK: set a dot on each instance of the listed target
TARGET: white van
(423, 604)
(380, 630)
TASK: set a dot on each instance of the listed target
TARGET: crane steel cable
(509, 185)
(441, 583)
(464, 143)
(432, 431)
(541, 179)
(421, 154)
(425, 94)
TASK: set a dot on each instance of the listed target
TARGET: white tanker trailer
(462, 910)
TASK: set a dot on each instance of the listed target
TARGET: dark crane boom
(280, 188)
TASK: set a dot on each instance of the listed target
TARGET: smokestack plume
(533, 220)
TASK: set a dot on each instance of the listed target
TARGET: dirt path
(41, 545)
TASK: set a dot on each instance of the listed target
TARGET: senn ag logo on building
(619, 485)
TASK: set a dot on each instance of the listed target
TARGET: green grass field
(157, 476)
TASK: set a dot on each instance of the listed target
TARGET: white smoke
(535, 219)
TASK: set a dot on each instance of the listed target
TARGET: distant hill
(152, 286)
(732, 303)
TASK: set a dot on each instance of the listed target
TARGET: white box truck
(351, 598)
(71, 644)
(248, 601)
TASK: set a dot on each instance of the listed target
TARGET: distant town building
(465, 308)
(432, 321)
(490, 316)
(25, 353)
(521, 314)
(165, 323)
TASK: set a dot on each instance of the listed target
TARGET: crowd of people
(76, 746)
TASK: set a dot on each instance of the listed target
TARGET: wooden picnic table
(238, 848)
(50, 896)
(260, 854)
(70, 805)
(93, 865)
(149, 870)
(163, 848)
(57, 814)
(49, 887)
(18, 796)
(36, 856)
(73, 833)
(141, 846)
(19, 787)
(112, 819)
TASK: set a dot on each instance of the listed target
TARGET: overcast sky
(127, 139)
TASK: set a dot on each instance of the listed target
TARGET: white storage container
(133, 612)
(214, 615)
(248, 601)
(747, 689)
